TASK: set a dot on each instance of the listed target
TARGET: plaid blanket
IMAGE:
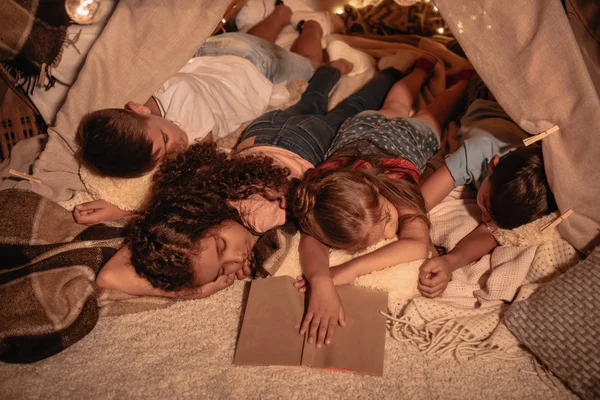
(47, 271)
(389, 18)
(32, 32)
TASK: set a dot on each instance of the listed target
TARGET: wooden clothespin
(558, 220)
(540, 136)
(23, 175)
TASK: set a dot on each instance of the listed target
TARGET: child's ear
(137, 108)
(493, 164)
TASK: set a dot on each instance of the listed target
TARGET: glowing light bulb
(339, 11)
(435, 9)
(440, 30)
(223, 20)
(81, 11)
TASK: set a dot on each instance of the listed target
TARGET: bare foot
(462, 73)
(284, 13)
(343, 65)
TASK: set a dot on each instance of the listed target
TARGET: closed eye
(165, 138)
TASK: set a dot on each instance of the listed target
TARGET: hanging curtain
(526, 53)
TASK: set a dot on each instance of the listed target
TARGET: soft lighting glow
(81, 11)
(440, 30)
(435, 9)
(339, 11)
(223, 20)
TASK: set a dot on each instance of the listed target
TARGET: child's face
(166, 136)
(227, 251)
(387, 228)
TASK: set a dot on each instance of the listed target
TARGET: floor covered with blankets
(186, 351)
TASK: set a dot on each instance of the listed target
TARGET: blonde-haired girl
(366, 190)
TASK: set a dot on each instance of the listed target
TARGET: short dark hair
(519, 190)
(113, 142)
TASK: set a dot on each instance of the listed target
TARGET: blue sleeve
(469, 163)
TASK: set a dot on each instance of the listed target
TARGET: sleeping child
(226, 84)
(512, 187)
(366, 191)
(245, 192)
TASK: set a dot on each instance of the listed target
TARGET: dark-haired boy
(511, 182)
(228, 83)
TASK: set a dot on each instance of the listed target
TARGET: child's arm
(98, 211)
(437, 187)
(435, 274)
(413, 243)
(118, 273)
(325, 309)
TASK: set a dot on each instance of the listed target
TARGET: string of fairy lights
(83, 11)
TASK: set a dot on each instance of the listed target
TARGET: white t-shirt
(215, 94)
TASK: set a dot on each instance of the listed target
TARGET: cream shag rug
(186, 351)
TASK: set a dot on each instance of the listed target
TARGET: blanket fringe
(443, 336)
(438, 337)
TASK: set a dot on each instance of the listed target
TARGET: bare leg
(308, 43)
(270, 27)
(444, 107)
(402, 95)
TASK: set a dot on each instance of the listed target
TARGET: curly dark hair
(191, 196)
(519, 189)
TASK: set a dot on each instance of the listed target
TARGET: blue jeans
(306, 128)
(273, 61)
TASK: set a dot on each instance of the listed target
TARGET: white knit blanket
(466, 319)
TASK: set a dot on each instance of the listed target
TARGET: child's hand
(324, 312)
(343, 274)
(434, 276)
(301, 284)
(205, 290)
(243, 272)
(98, 211)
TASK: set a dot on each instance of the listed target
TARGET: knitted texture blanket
(466, 319)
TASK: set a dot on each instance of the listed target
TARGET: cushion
(560, 324)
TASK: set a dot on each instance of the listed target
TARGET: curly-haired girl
(367, 190)
(246, 191)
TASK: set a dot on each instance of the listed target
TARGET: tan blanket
(471, 307)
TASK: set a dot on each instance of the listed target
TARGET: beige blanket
(465, 320)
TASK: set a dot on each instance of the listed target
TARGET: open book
(270, 330)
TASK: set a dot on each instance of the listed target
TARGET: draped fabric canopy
(526, 53)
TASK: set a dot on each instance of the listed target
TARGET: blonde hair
(340, 207)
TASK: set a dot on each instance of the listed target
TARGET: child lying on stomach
(512, 187)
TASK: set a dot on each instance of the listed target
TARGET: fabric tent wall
(144, 43)
(526, 53)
